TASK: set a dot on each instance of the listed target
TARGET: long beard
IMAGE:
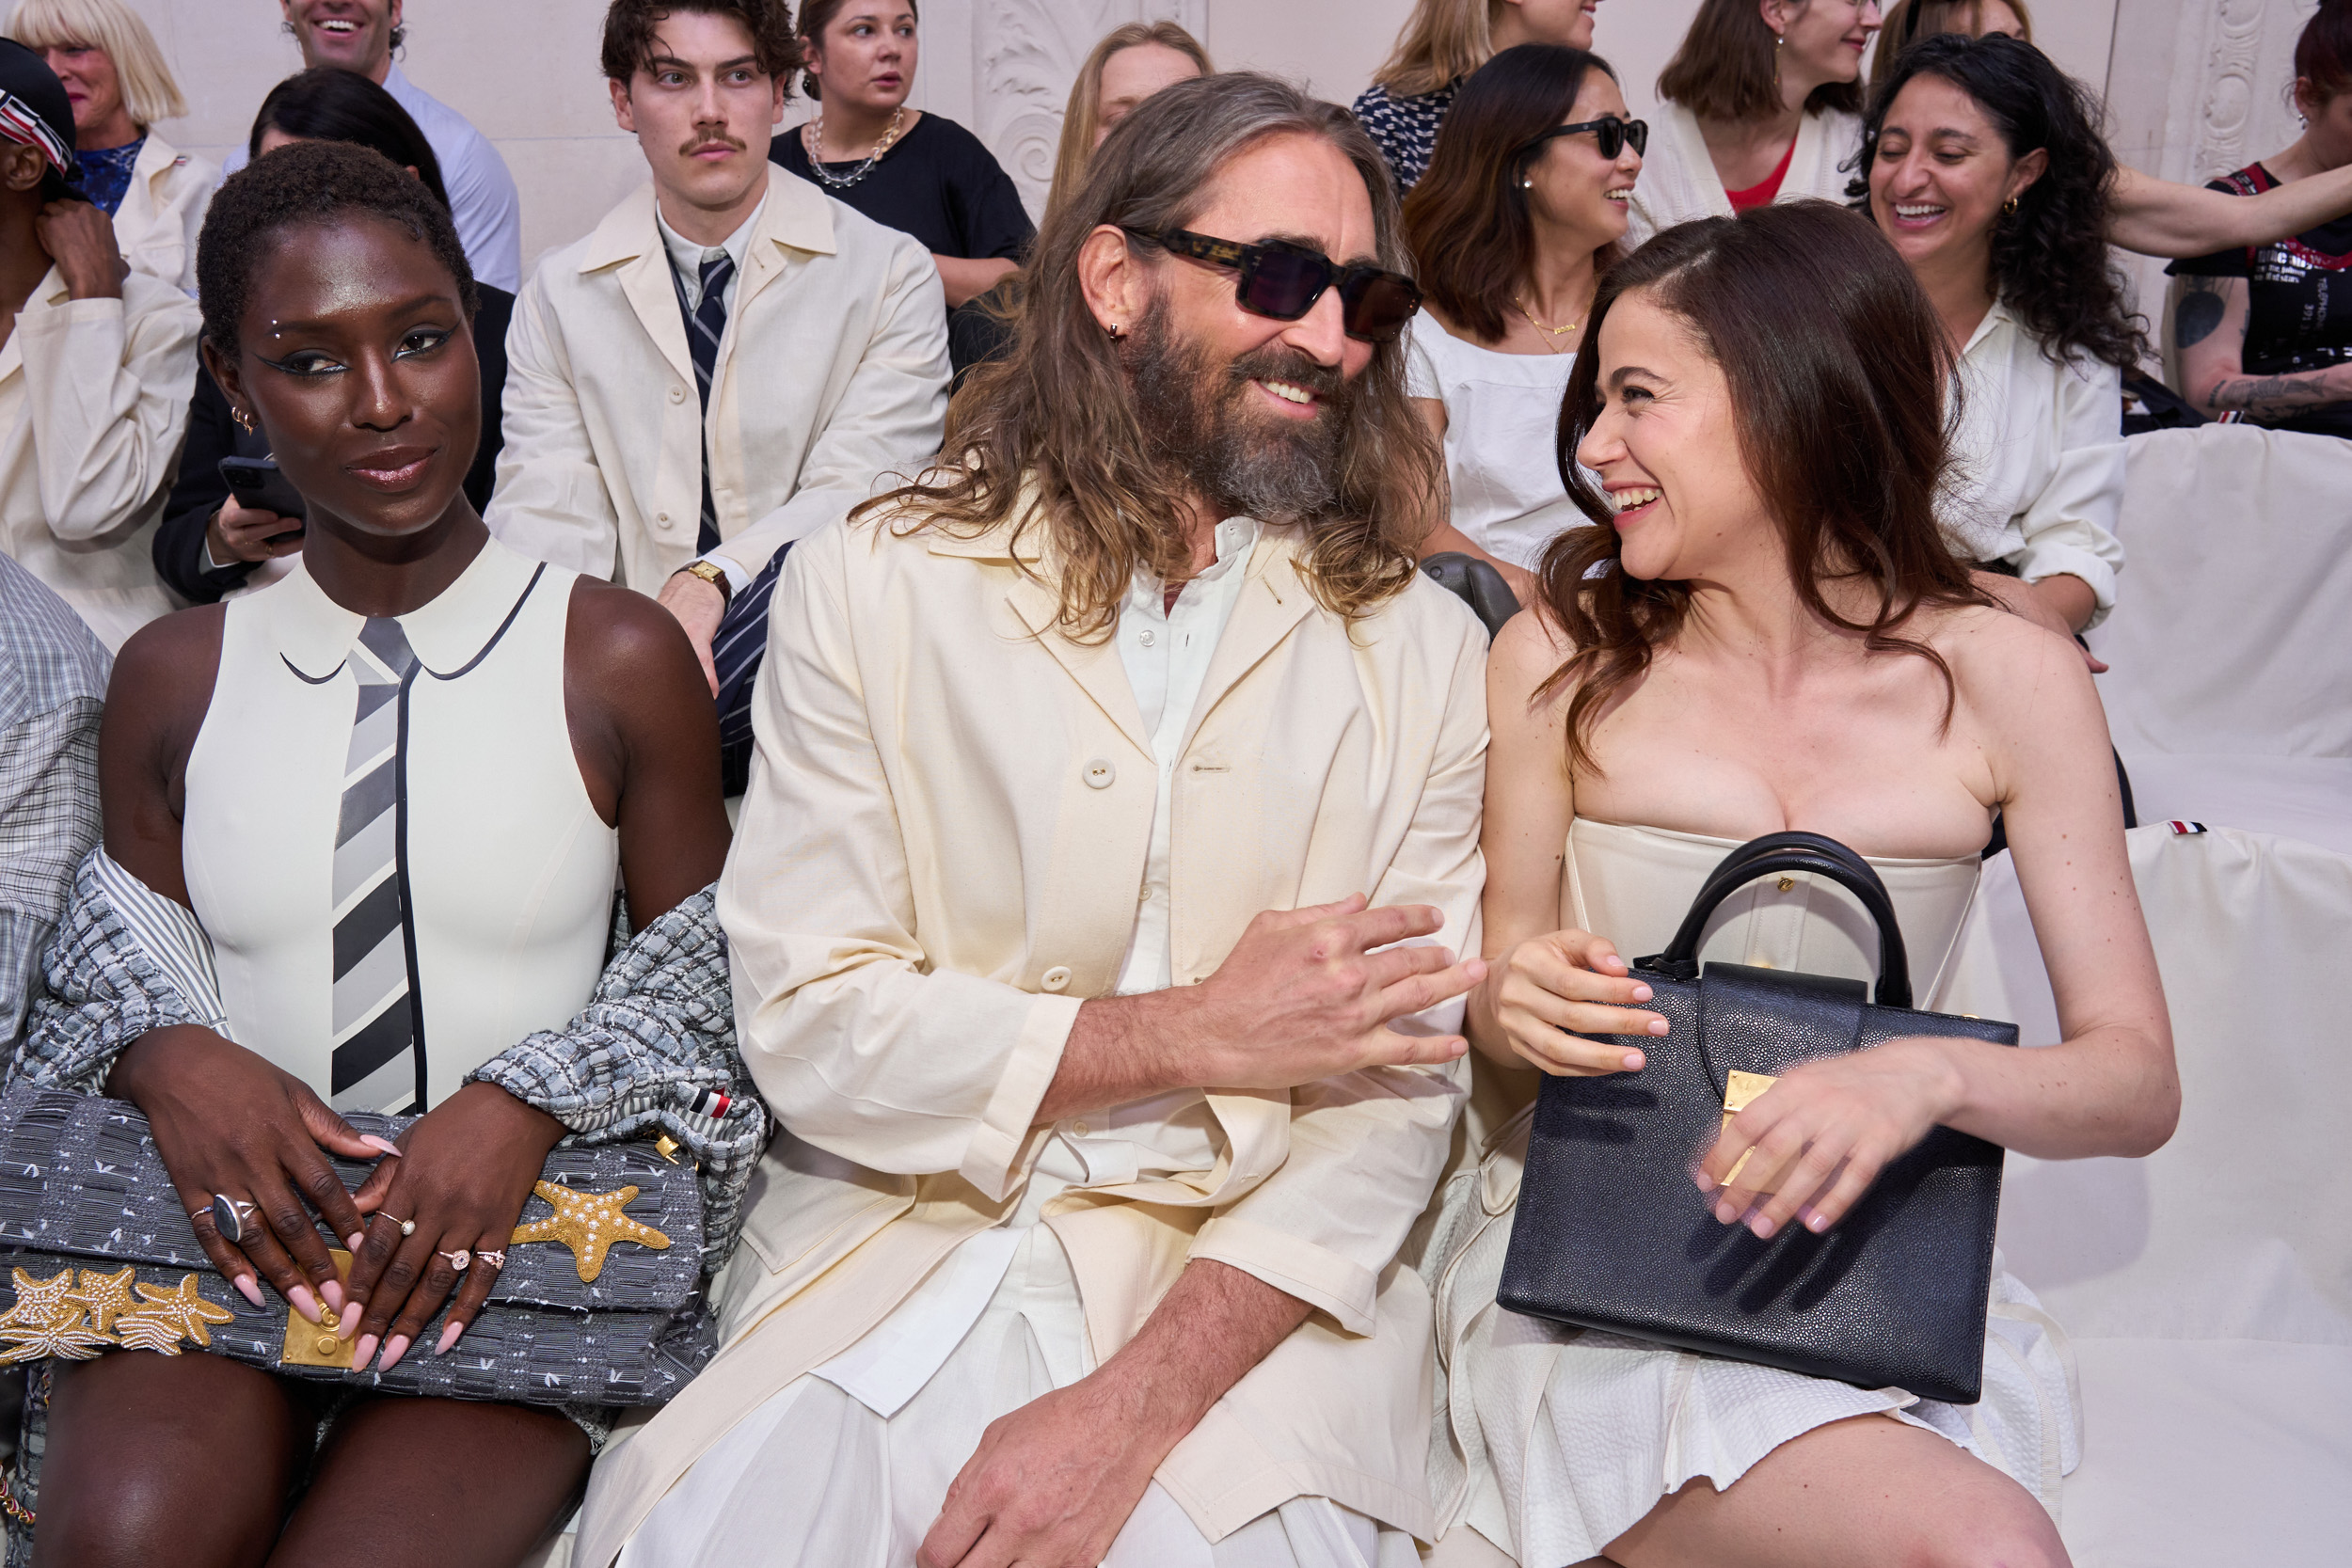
(1204, 424)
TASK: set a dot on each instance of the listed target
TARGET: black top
(937, 183)
(2298, 301)
(213, 435)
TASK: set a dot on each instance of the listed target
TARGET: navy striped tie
(705, 324)
(736, 647)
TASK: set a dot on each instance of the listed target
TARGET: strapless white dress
(1552, 1441)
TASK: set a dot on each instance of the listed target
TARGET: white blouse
(2038, 460)
(1502, 418)
(1679, 184)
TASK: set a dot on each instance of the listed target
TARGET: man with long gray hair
(1112, 833)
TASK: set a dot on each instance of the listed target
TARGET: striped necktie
(705, 325)
(377, 1062)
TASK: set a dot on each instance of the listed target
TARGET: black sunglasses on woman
(1283, 280)
(1609, 131)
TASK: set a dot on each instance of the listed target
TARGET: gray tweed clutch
(597, 1304)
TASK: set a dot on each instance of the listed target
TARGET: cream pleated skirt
(815, 1476)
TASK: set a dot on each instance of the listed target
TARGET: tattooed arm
(2209, 331)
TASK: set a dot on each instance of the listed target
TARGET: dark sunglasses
(1611, 132)
(1283, 280)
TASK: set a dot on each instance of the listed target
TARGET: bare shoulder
(617, 637)
(2010, 671)
(168, 665)
(1529, 649)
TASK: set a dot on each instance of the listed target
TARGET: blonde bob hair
(149, 92)
(1084, 117)
(1443, 41)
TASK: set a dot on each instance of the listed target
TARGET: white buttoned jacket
(832, 374)
(938, 859)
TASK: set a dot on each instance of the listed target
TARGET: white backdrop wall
(2194, 84)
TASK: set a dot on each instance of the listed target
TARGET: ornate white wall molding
(1025, 56)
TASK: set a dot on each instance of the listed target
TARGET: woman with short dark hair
(1523, 205)
(209, 545)
(433, 955)
(1766, 631)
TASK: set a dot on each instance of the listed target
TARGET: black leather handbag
(1610, 1233)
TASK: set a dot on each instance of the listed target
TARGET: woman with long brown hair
(1524, 203)
(1908, 20)
(1767, 632)
(1760, 104)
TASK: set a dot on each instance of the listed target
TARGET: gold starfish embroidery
(170, 1317)
(589, 1224)
(104, 1297)
(46, 1320)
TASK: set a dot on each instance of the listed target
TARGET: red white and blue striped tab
(2180, 828)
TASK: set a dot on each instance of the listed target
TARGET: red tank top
(1762, 192)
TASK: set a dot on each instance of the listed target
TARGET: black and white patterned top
(1404, 129)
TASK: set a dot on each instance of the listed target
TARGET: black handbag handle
(1777, 854)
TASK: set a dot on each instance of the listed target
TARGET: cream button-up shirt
(163, 211)
(93, 406)
(2038, 460)
(943, 852)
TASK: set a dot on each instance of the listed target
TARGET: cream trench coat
(163, 211)
(940, 854)
(93, 406)
(833, 372)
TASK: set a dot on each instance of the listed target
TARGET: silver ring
(458, 1260)
(496, 1260)
(407, 1227)
(229, 1218)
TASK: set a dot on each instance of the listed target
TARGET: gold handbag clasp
(1740, 1092)
(318, 1344)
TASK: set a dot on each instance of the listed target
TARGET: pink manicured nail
(251, 1292)
(363, 1350)
(448, 1337)
(352, 1242)
(302, 1301)
(1762, 1227)
(1643, 993)
(1659, 1026)
(1635, 1061)
(394, 1348)
(1725, 1213)
(331, 1292)
(379, 1144)
(1814, 1219)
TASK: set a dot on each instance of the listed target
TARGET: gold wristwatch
(713, 573)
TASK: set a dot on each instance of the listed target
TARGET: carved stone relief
(1026, 55)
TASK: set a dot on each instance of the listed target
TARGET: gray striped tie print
(374, 1062)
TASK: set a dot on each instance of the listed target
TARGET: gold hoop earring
(245, 421)
(2008, 208)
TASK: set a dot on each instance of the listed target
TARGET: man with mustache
(1112, 831)
(727, 362)
(359, 36)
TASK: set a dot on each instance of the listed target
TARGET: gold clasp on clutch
(1740, 1092)
(317, 1344)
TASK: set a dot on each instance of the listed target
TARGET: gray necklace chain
(816, 136)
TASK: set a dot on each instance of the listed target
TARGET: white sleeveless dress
(504, 870)
(1552, 1441)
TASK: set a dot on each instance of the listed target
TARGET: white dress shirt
(687, 259)
(483, 201)
(2038, 460)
